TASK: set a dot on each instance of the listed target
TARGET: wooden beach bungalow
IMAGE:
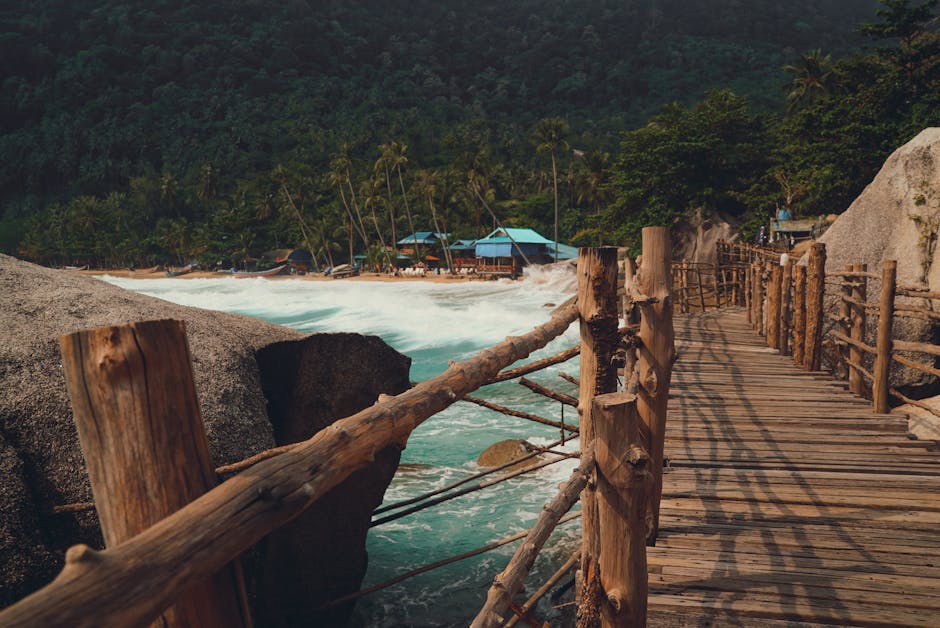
(428, 241)
(506, 250)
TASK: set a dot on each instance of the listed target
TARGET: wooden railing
(835, 320)
(177, 557)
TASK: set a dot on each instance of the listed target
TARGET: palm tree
(387, 154)
(339, 176)
(370, 198)
(811, 75)
(590, 181)
(427, 181)
(281, 174)
(548, 135)
(400, 160)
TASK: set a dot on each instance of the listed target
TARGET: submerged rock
(259, 385)
(506, 451)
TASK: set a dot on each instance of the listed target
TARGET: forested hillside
(164, 130)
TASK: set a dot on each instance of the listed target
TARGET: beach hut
(426, 240)
(463, 253)
(506, 250)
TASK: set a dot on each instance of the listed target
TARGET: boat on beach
(146, 271)
(176, 272)
(344, 270)
(277, 270)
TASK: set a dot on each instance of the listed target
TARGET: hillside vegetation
(134, 133)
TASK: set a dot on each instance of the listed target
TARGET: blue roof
(462, 245)
(423, 237)
(564, 251)
(520, 236)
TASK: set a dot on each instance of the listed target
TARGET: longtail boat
(180, 271)
(147, 271)
(277, 270)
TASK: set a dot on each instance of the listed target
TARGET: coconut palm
(338, 175)
(811, 74)
(590, 181)
(387, 155)
(549, 134)
(427, 182)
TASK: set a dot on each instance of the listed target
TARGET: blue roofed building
(506, 250)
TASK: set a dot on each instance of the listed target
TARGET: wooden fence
(174, 535)
(835, 320)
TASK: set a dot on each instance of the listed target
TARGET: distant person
(783, 214)
(762, 236)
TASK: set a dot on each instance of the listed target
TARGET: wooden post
(701, 287)
(845, 315)
(859, 318)
(759, 298)
(786, 302)
(799, 313)
(597, 307)
(755, 296)
(656, 356)
(145, 448)
(815, 292)
(747, 293)
(622, 480)
(881, 373)
(773, 305)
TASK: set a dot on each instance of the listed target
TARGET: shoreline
(202, 274)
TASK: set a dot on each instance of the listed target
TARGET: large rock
(310, 381)
(897, 217)
(695, 235)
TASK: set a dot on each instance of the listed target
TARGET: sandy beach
(143, 274)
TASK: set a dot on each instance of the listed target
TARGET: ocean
(433, 323)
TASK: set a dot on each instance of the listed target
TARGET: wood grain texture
(656, 355)
(857, 333)
(815, 291)
(885, 342)
(597, 303)
(623, 480)
(799, 313)
(145, 448)
(787, 500)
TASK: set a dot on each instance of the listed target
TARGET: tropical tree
(427, 182)
(387, 155)
(810, 82)
(548, 136)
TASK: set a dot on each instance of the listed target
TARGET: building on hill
(506, 250)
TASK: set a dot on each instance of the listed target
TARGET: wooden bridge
(772, 496)
(786, 498)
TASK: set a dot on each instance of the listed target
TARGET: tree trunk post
(786, 303)
(799, 313)
(758, 298)
(656, 354)
(815, 293)
(145, 447)
(747, 293)
(889, 272)
(622, 482)
(597, 307)
(845, 316)
(701, 286)
(859, 319)
(773, 305)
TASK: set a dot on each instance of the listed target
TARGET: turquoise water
(433, 323)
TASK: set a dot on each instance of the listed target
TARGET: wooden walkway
(786, 500)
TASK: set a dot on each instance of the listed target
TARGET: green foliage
(131, 134)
